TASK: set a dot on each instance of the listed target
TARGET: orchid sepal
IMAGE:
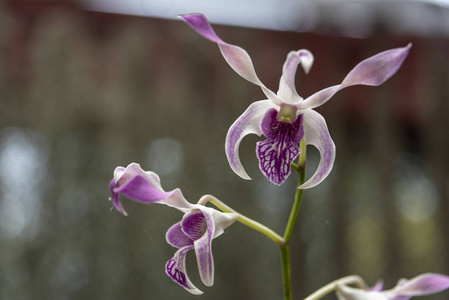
(372, 71)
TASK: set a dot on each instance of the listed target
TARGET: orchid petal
(248, 123)
(176, 199)
(203, 251)
(317, 134)
(287, 89)
(196, 230)
(209, 223)
(194, 225)
(237, 58)
(115, 197)
(121, 175)
(144, 187)
(345, 292)
(377, 69)
(422, 285)
(176, 237)
(281, 147)
(373, 71)
(176, 270)
(377, 287)
(140, 190)
(306, 59)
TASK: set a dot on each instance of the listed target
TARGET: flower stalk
(285, 251)
(244, 220)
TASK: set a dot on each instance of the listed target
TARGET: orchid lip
(280, 148)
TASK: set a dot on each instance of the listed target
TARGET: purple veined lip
(281, 147)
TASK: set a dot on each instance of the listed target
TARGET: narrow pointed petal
(281, 147)
(372, 71)
(319, 98)
(248, 123)
(317, 134)
(176, 237)
(203, 250)
(237, 58)
(287, 90)
(425, 284)
(175, 268)
(378, 68)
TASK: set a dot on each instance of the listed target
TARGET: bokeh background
(84, 91)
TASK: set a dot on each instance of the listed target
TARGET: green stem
(285, 252)
(354, 279)
(244, 220)
(299, 192)
(286, 273)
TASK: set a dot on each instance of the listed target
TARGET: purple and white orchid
(285, 118)
(425, 284)
(198, 227)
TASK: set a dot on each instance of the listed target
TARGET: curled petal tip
(306, 60)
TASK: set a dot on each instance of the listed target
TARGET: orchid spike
(199, 226)
(285, 118)
(425, 284)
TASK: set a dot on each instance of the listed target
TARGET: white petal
(306, 59)
(249, 122)
(177, 200)
(287, 89)
(216, 222)
(317, 134)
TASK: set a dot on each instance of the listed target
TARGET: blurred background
(86, 86)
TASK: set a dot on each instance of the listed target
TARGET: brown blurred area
(83, 92)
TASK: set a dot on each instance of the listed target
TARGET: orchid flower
(198, 227)
(285, 118)
(425, 284)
